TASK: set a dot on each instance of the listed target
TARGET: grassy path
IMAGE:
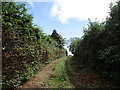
(59, 79)
(64, 73)
(52, 75)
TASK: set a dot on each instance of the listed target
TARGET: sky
(68, 17)
(41, 12)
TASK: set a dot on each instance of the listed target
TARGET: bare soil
(42, 77)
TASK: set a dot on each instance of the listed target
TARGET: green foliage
(110, 58)
(59, 78)
(25, 47)
(100, 46)
(59, 39)
(88, 47)
(74, 43)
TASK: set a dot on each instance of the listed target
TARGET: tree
(59, 39)
(74, 43)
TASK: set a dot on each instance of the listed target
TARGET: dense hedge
(99, 48)
(25, 48)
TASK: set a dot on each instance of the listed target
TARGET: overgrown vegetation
(74, 43)
(99, 48)
(25, 48)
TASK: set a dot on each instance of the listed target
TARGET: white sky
(80, 9)
(69, 53)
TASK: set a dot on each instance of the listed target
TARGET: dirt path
(42, 77)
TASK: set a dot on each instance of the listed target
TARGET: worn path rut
(42, 77)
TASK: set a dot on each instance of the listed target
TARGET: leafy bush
(110, 58)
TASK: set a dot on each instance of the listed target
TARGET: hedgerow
(25, 48)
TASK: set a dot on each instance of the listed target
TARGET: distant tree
(59, 39)
(74, 43)
(66, 53)
(54, 34)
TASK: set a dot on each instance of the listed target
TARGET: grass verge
(59, 78)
